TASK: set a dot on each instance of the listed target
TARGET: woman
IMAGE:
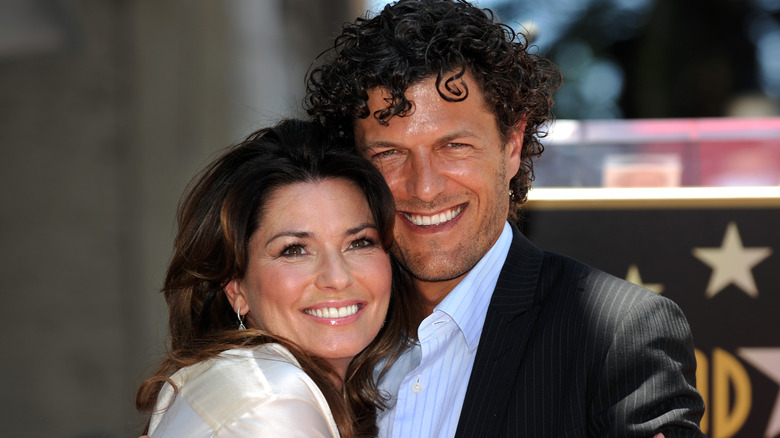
(279, 294)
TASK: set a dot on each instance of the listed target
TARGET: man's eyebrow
(463, 133)
(377, 144)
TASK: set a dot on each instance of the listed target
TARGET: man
(448, 105)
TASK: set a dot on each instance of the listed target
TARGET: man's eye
(293, 250)
(386, 153)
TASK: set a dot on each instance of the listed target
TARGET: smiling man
(449, 171)
(449, 104)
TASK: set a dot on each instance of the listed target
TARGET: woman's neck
(340, 367)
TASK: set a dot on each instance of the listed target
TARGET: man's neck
(433, 292)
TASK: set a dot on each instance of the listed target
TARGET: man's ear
(514, 149)
(237, 297)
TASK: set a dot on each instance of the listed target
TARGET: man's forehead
(426, 105)
(453, 87)
(381, 96)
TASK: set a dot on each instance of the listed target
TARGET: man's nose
(424, 180)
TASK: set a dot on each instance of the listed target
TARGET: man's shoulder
(553, 277)
(564, 279)
(576, 300)
(563, 265)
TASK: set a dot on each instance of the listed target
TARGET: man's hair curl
(412, 40)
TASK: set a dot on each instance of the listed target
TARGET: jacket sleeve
(647, 381)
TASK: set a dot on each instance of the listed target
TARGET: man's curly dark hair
(412, 40)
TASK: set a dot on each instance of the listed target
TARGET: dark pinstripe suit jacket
(570, 351)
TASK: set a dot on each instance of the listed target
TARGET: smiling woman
(317, 273)
(279, 294)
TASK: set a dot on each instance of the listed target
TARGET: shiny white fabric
(427, 385)
(259, 392)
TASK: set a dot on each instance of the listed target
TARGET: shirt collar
(468, 302)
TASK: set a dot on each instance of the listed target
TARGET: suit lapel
(508, 324)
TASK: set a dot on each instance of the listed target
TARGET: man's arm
(647, 379)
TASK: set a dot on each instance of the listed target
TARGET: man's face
(449, 173)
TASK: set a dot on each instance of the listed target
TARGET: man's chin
(435, 271)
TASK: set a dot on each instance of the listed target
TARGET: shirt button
(417, 387)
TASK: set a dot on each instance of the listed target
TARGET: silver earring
(511, 194)
(240, 319)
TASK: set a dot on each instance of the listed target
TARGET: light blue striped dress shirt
(428, 383)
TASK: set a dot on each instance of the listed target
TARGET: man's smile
(435, 219)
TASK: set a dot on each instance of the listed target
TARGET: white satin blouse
(258, 392)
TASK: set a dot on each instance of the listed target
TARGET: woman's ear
(237, 297)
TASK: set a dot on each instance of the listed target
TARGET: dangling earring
(511, 194)
(240, 319)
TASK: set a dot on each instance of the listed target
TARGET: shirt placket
(414, 396)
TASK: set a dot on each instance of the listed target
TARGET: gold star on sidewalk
(732, 263)
(634, 277)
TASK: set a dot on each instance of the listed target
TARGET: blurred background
(109, 107)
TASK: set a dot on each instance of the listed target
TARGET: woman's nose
(333, 272)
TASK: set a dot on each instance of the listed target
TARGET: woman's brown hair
(217, 217)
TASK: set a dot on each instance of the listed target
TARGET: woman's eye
(293, 250)
(362, 243)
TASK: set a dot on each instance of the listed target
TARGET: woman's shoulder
(248, 384)
(247, 373)
(253, 388)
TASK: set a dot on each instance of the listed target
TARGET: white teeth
(435, 219)
(333, 312)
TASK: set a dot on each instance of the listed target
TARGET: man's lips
(434, 219)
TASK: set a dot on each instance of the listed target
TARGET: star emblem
(766, 360)
(634, 277)
(732, 263)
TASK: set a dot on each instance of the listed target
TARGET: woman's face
(317, 274)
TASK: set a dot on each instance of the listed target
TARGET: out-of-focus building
(107, 109)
